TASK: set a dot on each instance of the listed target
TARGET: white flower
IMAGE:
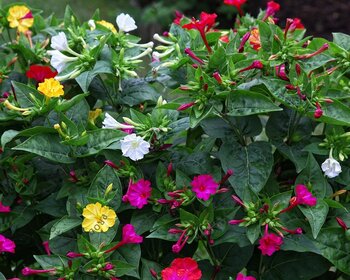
(59, 42)
(125, 22)
(134, 147)
(59, 60)
(110, 122)
(331, 167)
(92, 24)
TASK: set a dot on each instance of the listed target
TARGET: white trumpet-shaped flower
(59, 60)
(134, 147)
(110, 122)
(125, 23)
(59, 42)
(331, 167)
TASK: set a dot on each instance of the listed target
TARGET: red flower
(270, 243)
(296, 24)
(240, 276)
(4, 209)
(203, 25)
(182, 269)
(272, 8)
(40, 73)
(204, 186)
(138, 193)
(236, 3)
(304, 196)
(6, 245)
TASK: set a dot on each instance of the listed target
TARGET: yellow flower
(20, 17)
(51, 88)
(108, 25)
(93, 115)
(98, 218)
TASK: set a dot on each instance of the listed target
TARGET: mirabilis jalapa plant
(228, 160)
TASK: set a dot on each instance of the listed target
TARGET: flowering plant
(227, 158)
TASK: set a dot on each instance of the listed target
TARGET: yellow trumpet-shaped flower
(51, 88)
(21, 17)
(98, 218)
(108, 25)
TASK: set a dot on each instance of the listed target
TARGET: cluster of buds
(185, 231)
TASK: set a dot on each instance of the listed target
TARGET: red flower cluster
(182, 269)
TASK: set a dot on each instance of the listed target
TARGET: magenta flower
(4, 209)
(47, 247)
(240, 276)
(130, 236)
(6, 245)
(138, 193)
(204, 186)
(270, 243)
(281, 72)
(28, 271)
(304, 196)
(272, 8)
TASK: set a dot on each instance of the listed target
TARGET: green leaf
(146, 268)
(22, 94)
(7, 137)
(252, 166)
(106, 176)
(99, 238)
(47, 262)
(2, 277)
(99, 140)
(136, 91)
(335, 247)
(244, 103)
(143, 220)
(292, 265)
(67, 104)
(217, 59)
(63, 225)
(316, 215)
(343, 40)
(313, 175)
(131, 254)
(253, 232)
(48, 146)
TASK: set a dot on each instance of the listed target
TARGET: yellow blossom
(51, 88)
(21, 17)
(93, 115)
(108, 25)
(98, 218)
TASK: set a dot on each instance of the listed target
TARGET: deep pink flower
(185, 106)
(181, 242)
(296, 24)
(272, 8)
(256, 64)
(203, 25)
(204, 186)
(47, 247)
(28, 271)
(318, 112)
(304, 196)
(237, 4)
(178, 17)
(6, 245)
(108, 266)
(130, 236)
(270, 243)
(281, 72)
(217, 77)
(4, 209)
(240, 276)
(138, 193)
(245, 38)
(182, 269)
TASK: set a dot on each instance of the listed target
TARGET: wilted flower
(331, 167)
(138, 193)
(98, 218)
(254, 39)
(182, 269)
(108, 25)
(21, 17)
(125, 23)
(6, 245)
(40, 73)
(204, 186)
(281, 72)
(134, 147)
(51, 88)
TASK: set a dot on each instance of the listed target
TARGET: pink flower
(185, 106)
(303, 196)
(130, 236)
(272, 8)
(204, 186)
(281, 72)
(318, 112)
(178, 17)
(237, 4)
(47, 247)
(240, 276)
(270, 243)
(28, 271)
(4, 209)
(255, 65)
(108, 266)
(182, 269)
(6, 245)
(138, 193)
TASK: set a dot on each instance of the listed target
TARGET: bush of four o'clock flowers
(227, 159)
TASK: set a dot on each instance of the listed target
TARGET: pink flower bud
(185, 106)
(217, 77)
(341, 223)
